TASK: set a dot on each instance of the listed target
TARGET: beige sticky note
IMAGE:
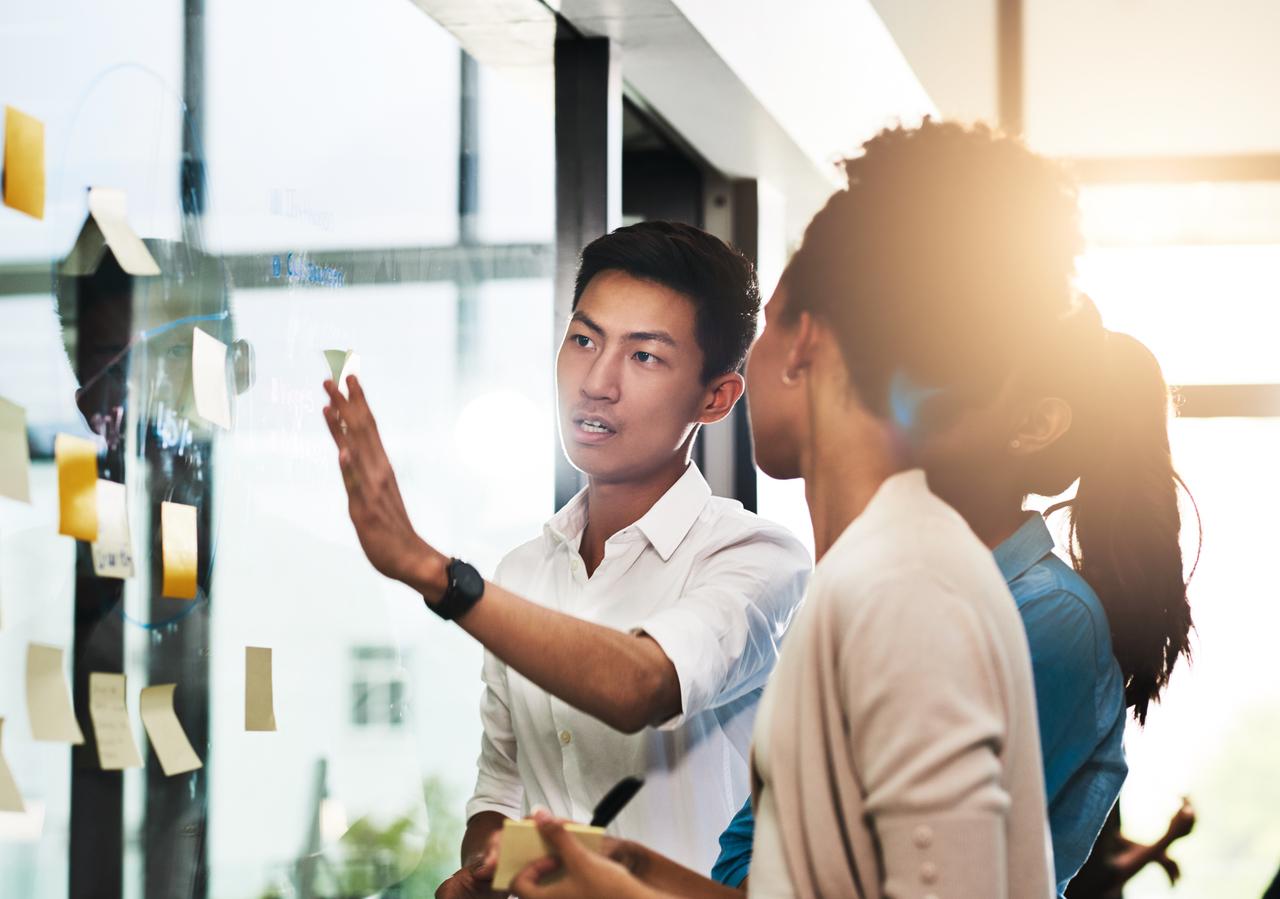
(110, 717)
(48, 697)
(23, 162)
(209, 378)
(259, 708)
(77, 462)
(15, 458)
(179, 550)
(522, 844)
(341, 364)
(108, 226)
(165, 732)
(113, 550)
(10, 798)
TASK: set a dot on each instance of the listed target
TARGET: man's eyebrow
(655, 336)
(631, 337)
(586, 320)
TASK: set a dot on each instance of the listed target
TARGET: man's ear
(1043, 425)
(722, 393)
(804, 348)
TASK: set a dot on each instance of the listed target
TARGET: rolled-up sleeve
(498, 785)
(723, 634)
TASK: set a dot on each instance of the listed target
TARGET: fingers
(336, 428)
(553, 832)
(526, 884)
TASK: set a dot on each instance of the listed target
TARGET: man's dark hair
(717, 279)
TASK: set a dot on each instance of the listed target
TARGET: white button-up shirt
(716, 587)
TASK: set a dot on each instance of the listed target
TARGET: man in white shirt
(654, 610)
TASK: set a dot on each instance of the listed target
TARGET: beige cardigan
(904, 751)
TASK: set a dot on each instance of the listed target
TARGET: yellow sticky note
(179, 550)
(259, 709)
(341, 364)
(165, 732)
(113, 550)
(110, 717)
(209, 378)
(77, 462)
(48, 698)
(522, 844)
(23, 162)
(15, 459)
(10, 798)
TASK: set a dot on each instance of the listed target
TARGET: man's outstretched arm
(625, 680)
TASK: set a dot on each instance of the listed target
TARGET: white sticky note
(522, 844)
(209, 378)
(165, 732)
(113, 550)
(259, 707)
(15, 458)
(53, 718)
(341, 364)
(110, 717)
(10, 798)
(108, 226)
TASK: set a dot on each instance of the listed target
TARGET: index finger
(526, 884)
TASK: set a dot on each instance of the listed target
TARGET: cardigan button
(922, 836)
(929, 873)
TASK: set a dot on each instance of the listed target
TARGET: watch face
(470, 583)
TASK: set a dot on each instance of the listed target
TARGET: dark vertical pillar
(588, 104)
(103, 325)
(746, 237)
(1010, 72)
(468, 212)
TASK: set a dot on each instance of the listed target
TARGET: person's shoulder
(1053, 589)
(726, 525)
(520, 562)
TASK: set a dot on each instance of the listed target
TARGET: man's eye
(642, 356)
(582, 340)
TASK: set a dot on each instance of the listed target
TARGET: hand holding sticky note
(179, 550)
(77, 462)
(341, 364)
(522, 844)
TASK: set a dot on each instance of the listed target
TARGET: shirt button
(565, 738)
(575, 564)
(922, 836)
(929, 873)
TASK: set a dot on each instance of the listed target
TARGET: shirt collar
(665, 525)
(1024, 547)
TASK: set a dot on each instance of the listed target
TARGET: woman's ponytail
(1124, 520)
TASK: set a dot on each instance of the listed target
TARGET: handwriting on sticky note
(23, 162)
(259, 706)
(77, 462)
(15, 458)
(209, 378)
(341, 364)
(179, 550)
(10, 798)
(165, 732)
(48, 698)
(110, 717)
(522, 844)
(113, 550)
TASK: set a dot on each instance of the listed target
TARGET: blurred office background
(412, 179)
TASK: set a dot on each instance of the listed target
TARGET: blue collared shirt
(1079, 697)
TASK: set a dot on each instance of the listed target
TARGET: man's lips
(593, 429)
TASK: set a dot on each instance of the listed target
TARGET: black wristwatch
(466, 586)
